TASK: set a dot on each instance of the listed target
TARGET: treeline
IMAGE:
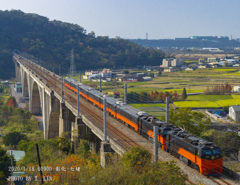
(219, 89)
(155, 96)
(52, 41)
(16, 119)
(167, 43)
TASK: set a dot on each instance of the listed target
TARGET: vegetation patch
(225, 70)
(209, 97)
(4, 98)
(190, 61)
(237, 73)
(148, 105)
(228, 102)
(195, 104)
(236, 96)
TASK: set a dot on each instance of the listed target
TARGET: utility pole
(54, 82)
(167, 109)
(105, 119)
(155, 144)
(62, 91)
(47, 78)
(59, 70)
(78, 101)
(40, 72)
(36, 69)
(80, 76)
(125, 93)
(39, 163)
(72, 64)
(100, 87)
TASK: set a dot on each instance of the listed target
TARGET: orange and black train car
(193, 151)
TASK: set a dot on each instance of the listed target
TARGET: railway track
(97, 116)
(219, 181)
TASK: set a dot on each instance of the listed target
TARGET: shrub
(136, 157)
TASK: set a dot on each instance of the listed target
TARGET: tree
(3, 179)
(225, 64)
(143, 96)
(160, 73)
(126, 72)
(151, 75)
(175, 95)
(12, 102)
(222, 140)
(226, 109)
(136, 156)
(184, 94)
(193, 121)
(84, 148)
(13, 138)
(5, 161)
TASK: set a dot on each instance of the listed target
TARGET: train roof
(190, 138)
(110, 100)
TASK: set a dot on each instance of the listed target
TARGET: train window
(206, 152)
(165, 131)
(216, 151)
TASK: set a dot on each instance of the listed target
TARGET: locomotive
(195, 152)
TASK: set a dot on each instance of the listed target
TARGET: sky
(132, 19)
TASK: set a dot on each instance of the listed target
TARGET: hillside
(52, 41)
(169, 43)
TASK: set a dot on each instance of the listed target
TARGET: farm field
(198, 101)
(223, 103)
(236, 96)
(209, 97)
(5, 98)
(193, 81)
(148, 105)
(196, 104)
(151, 109)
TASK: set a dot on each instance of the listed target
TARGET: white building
(234, 112)
(211, 60)
(147, 78)
(190, 69)
(236, 88)
(106, 73)
(167, 62)
(89, 73)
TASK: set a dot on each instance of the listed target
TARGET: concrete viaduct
(43, 88)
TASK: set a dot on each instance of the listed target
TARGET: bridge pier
(106, 153)
(66, 121)
(85, 133)
(25, 82)
(54, 117)
(17, 72)
(45, 112)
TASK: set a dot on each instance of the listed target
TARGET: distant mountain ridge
(52, 41)
(169, 43)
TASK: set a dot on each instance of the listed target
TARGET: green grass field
(225, 70)
(195, 104)
(224, 103)
(236, 73)
(197, 80)
(148, 105)
(209, 97)
(158, 114)
(5, 98)
(236, 96)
